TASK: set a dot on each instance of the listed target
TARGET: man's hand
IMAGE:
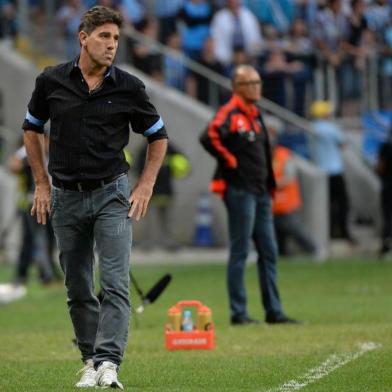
(41, 202)
(142, 192)
(139, 199)
(34, 143)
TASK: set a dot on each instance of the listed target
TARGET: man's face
(101, 45)
(248, 85)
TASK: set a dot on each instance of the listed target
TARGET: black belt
(84, 186)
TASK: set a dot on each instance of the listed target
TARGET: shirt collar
(110, 73)
(251, 111)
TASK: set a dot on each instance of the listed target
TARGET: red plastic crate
(190, 340)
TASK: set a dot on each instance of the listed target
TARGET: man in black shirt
(90, 104)
(237, 138)
(384, 169)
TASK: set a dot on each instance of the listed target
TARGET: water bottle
(187, 322)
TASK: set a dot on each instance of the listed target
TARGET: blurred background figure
(8, 25)
(174, 68)
(327, 144)
(195, 17)
(37, 241)
(198, 85)
(166, 12)
(68, 19)
(233, 27)
(275, 71)
(386, 70)
(133, 11)
(157, 228)
(144, 57)
(287, 199)
(278, 13)
(384, 169)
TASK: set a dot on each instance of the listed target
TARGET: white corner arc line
(335, 361)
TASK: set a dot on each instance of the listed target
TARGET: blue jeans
(250, 217)
(82, 220)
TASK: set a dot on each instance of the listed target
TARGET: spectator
(299, 45)
(8, 25)
(198, 85)
(166, 12)
(238, 140)
(384, 169)
(134, 11)
(275, 71)
(272, 39)
(386, 70)
(278, 13)
(327, 143)
(377, 16)
(307, 10)
(331, 32)
(196, 16)
(359, 42)
(174, 67)
(68, 17)
(233, 27)
(144, 56)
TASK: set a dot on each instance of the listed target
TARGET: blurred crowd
(289, 41)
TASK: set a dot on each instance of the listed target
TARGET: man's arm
(211, 139)
(34, 143)
(142, 192)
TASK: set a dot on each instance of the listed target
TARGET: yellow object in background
(321, 109)
(174, 317)
(128, 156)
(204, 318)
(179, 166)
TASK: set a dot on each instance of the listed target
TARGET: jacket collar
(251, 111)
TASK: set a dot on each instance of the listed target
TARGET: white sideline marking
(335, 361)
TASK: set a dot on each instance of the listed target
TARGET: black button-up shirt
(89, 131)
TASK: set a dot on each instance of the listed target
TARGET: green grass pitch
(343, 304)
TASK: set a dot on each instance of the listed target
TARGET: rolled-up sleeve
(145, 119)
(37, 111)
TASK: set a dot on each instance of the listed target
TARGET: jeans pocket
(54, 202)
(122, 199)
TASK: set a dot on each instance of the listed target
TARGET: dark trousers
(250, 217)
(339, 207)
(33, 239)
(386, 210)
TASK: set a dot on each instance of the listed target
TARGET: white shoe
(89, 374)
(107, 376)
(10, 292)
(320, 255)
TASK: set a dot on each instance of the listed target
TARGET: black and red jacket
(237, 138)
